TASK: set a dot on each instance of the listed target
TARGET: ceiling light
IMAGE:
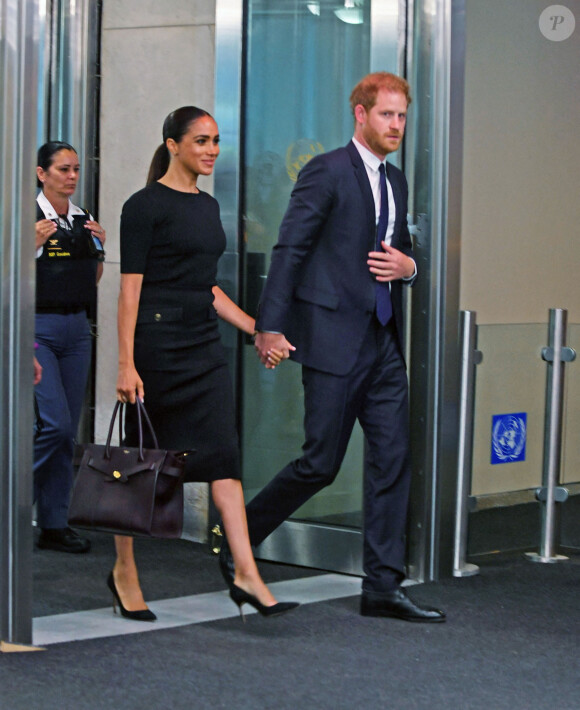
(351, 12)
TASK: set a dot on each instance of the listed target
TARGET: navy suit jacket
(319, 291)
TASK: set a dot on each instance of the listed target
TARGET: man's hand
(390, 264)
(268, 344)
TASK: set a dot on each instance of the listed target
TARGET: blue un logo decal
(508, 437)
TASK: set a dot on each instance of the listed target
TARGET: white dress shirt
(50, 213)
(372, 162)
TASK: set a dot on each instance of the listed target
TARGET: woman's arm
(232, 313)
(129, 384)
(97, 231)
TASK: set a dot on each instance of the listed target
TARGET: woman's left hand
(96, 230)
(274, 358)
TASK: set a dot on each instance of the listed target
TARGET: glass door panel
(302, 61)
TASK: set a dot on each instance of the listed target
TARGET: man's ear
(360, 113)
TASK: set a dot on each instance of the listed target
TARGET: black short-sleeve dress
(175, 240)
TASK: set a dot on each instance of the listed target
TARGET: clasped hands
(272, 348)
(45, 228)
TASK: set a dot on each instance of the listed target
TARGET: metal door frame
(19, 27)
(23, 33)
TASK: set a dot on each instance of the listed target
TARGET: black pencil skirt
(191, 406)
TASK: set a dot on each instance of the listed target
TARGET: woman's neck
(59, 202)
(179, 179)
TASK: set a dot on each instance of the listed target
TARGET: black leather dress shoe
(62, 540)
(398, 605)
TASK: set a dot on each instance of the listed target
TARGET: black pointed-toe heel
(140, 615)
(241, 597)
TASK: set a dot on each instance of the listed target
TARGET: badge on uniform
(54, 249)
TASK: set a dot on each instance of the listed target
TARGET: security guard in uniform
(69, 263)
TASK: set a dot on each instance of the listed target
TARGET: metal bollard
(470, 357)
(556, 354)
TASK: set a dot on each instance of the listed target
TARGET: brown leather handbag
(129, 490)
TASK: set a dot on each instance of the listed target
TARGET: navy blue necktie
(383, 291)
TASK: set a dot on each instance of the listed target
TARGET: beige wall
(521, 177)
(156, 56)
(520, 250)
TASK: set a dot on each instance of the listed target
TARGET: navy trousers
(64, 351)
(376, 393)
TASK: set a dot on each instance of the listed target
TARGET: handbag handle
(141, 412)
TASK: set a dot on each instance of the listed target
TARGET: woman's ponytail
(159, 164)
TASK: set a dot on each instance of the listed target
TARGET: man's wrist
(413, 270)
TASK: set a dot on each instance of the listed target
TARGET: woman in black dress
(169, 346)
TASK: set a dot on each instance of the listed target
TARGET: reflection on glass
(302, 62)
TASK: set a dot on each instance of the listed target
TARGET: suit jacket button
(157, 316)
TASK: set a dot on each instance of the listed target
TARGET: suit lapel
(398, 201)
(366, 192)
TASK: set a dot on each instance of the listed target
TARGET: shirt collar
(368, 158)
(49, 210)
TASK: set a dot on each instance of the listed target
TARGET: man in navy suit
(333, 299)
